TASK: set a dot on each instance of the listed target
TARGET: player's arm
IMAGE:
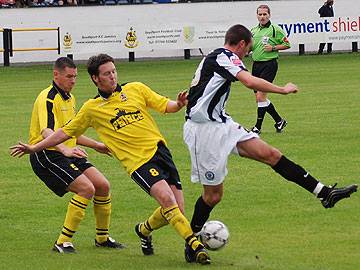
(97, 146)
(62, 148)
(175, 106)
(160, 103)
(54, 139)
(262, 85)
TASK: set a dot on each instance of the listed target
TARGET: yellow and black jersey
(53, 108)
(123, 123)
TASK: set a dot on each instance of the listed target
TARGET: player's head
(65, 73)
(102, 71)
(263, 14)
(239, 40)
(329, 2)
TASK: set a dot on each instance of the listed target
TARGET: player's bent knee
(274, 156)
(166, 199)
(260, 97)
(212, 199)
(103, 187)
(83, 187)
(87, 191)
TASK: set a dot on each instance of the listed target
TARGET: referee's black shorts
(159, 167)
(56, 170)
(265, 69)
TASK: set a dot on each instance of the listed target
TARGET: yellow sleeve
(154, 100)
(45, 110)
(78, 125)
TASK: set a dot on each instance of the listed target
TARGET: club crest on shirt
(123, 97)
(209, 175)
(236, 61)
(124, 118)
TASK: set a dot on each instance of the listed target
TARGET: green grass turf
(273, 224)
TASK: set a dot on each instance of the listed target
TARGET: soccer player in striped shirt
(212, 135)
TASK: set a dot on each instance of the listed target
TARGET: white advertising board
(163, 30)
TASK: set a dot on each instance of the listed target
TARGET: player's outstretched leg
(328, 196)
(337, 194)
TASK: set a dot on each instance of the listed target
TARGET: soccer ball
(214, 235)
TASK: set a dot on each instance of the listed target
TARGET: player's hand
(21, 149)
(290, 88)
(181, 99)
(268, 48)
(76, 152)
(101, 148)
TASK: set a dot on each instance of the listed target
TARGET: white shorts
(210, 144)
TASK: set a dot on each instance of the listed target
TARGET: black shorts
(56, 170)
(159, 167)
(265, 69)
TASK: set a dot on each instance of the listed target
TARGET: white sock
(317, 189)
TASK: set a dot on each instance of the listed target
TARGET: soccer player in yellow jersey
(120, 116)
(64, 167)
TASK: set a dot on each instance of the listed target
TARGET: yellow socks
(154, 222)
(174, 216)
(102, 210)
(74, 215)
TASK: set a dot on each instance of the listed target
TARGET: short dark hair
(263, 6)
(236, 33)
(62, 62)
(96, 61)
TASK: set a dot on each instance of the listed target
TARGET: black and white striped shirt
(210, 86)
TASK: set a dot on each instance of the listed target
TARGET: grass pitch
(273, 224)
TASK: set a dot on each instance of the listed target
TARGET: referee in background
(269, 39)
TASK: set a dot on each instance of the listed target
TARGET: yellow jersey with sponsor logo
(123, 122)
(53, 109)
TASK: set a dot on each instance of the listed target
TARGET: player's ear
(55, 73)
(242, 44)
(95, 79)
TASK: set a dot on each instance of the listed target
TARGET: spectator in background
(71, 3)
(58, 2)
(36, 3)
(20, 3)
(326, 11)
(7, 3)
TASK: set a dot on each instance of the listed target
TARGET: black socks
(295, 173)
(200, 216)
